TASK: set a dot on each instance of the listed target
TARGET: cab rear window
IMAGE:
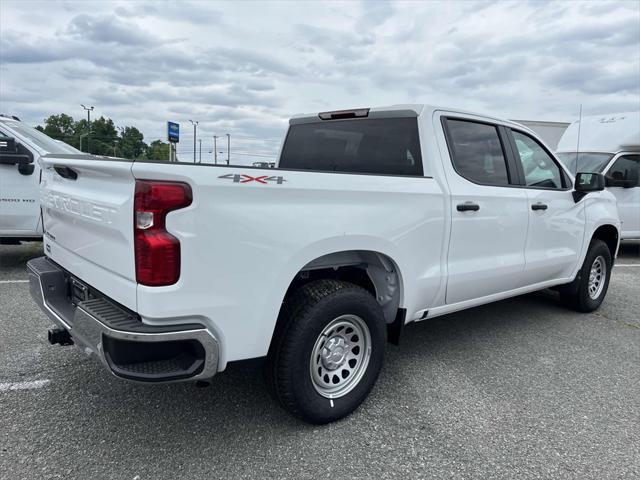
(385, 146)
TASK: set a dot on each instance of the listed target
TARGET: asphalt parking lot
(518, 389)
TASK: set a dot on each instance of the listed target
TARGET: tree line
(103, 138)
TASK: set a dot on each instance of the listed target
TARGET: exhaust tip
(59, 336)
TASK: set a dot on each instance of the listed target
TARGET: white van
(609, 144)
(21, 146)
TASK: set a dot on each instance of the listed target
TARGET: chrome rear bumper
(117, 336)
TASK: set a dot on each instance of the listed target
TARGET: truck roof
(4, 116)
(406, 110)
(611, 133)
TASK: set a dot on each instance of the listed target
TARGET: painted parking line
(7, 387)
(627, 265)
(14, 281)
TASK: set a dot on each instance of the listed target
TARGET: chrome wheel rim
(340, 356)
(597, 276)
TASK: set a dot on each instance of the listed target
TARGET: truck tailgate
(88, 219)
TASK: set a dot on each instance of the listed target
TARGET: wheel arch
(372, 270)
(610, 235)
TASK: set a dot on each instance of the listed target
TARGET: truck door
(19, 196)
(488, 213)
(626, 168)
(556, 221)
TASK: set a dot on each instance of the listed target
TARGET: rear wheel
(328, 350)
(588, 290)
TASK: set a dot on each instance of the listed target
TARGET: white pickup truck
(373, 218)
(21, 147)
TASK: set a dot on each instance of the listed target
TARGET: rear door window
(385, 146)
(477, 152)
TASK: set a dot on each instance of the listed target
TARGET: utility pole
(119, 137)
(200, 151)
(215, 150)
(195, 126)
(228, 148)
(89, 110)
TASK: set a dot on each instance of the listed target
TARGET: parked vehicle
(20, 149)
(609, 144)
(373, 218)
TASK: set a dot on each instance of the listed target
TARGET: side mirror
(26, 168)
(587, 182)
(9, 156)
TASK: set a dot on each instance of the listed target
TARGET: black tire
(304, 316)
(576, 294)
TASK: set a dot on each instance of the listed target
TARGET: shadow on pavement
(15, 257)
(629, 249)
(238, 397)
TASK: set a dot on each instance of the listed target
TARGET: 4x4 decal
(243, 178)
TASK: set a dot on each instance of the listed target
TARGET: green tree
(157, 150)
(131, 143)
(104, 136)
(61, 127)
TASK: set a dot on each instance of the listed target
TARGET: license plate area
(78, 291)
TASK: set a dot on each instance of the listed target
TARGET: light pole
(200, 150)
(89, 110)
(81, 137)
(228, 147)
(195, 126)
(215, 150)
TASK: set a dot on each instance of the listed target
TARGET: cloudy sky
(244, 67)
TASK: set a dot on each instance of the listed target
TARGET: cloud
(245, 67)
(17, 49)
(188, 12)
(340, 45)
(110, 30)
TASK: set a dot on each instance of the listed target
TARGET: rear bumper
(117, 336)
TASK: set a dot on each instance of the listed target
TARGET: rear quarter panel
(243, 243)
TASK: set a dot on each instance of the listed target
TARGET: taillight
(157, 251)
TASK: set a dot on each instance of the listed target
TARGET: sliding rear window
(385, 146)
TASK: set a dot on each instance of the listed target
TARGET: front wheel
(328, 351)
(589, 288)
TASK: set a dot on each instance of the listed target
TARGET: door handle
(539, 206)
(468, 206)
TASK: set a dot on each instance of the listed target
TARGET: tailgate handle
(66, 172)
